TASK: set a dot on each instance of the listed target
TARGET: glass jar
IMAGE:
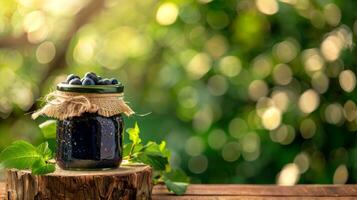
(90, 141)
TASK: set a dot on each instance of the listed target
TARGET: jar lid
(103, 89)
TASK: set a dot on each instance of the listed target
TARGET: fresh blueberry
(108, 81)
(105, 81)
(92, 76)
(70, 77)
(75, 81)
(100, 82)
(114, 81)
(88, 81)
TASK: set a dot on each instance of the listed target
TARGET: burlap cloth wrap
(63, 105)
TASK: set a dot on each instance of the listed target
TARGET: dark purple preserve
(90, 141)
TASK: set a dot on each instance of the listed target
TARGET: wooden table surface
(253, 192)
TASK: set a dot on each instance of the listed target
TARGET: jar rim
(103, 89)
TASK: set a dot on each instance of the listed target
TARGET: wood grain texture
(187, 197)
(203, 192)
(2, 190)
(126, 182)
(253, 192)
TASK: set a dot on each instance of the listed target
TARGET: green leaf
(157, 156)
(177, 175)
(19, 155)
(52, 144)
(48, 128)
(158, 162)
(127, 147)
(152, 148)
(126, 150)
(157, 151)
(41, 167)
(164, 150)
(176, 181)
(44, 150)
(134, 134)
(179, 188)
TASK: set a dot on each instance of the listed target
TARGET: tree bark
(126, 182)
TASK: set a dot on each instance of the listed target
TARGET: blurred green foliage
(244, 91)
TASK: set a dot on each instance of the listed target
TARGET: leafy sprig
(158, 157)
(23, 155)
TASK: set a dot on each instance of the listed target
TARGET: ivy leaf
(44, 150)
(176, 181)
(158, 162)
(41, 167)
(134, 134)
(19, 155)
(48, 129)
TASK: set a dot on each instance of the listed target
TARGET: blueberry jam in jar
(89, 122)
(90, 141)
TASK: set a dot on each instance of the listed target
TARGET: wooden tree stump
(126, 182)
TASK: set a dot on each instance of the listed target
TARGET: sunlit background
(243, 91)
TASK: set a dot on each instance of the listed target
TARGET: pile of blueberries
(90, 78)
